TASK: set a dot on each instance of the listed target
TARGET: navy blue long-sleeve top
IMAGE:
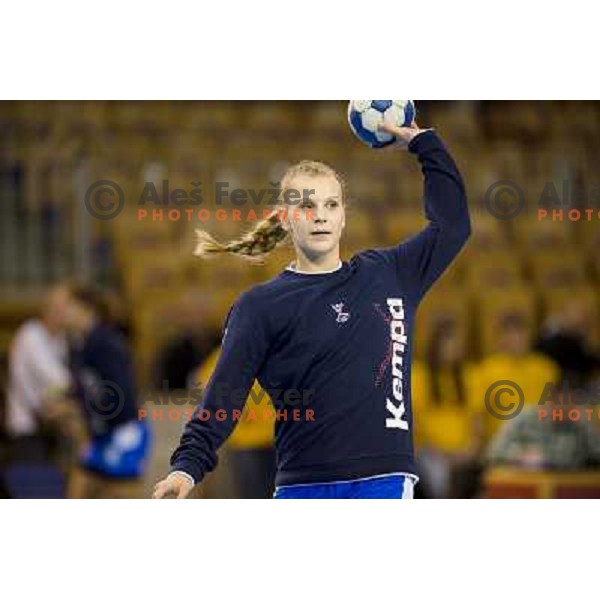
(103, 379)
(344, 338)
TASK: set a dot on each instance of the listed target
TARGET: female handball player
(337, 332)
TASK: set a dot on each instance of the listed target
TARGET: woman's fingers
(183, 492)
(400, 132)
(403, 134)
(161, 489)
(180, 489)
(393, 129)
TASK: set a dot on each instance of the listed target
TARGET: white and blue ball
(365, 116)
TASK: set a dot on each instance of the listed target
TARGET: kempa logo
(399, 342)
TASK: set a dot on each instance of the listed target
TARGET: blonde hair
(269, 233)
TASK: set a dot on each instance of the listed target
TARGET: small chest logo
(342, 316)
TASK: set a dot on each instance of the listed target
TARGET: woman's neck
(326, 263)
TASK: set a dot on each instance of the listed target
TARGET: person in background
(251, 445)
(564, 340)
(188, 347)
(114, 460)
(516, 362)
(556, 435)
(447, 431)
(38, 373)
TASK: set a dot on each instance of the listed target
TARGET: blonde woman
(339, 332)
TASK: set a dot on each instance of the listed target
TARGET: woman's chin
(320, 248)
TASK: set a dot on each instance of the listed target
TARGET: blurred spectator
(117, 310)
(514, 362)
(38, 373)
(553, 436)
(113, 462)
(179, 357)
(564, 340)
(188, 348)
(447, 439)
(250, 447)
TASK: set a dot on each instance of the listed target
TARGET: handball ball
(365, 116)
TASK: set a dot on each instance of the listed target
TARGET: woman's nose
(320, 216)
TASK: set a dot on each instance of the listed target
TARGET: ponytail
(261, 240)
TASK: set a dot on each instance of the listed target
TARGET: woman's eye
(333, 205)
(307, 205)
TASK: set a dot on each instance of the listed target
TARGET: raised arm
(244, 348)
(425, 256)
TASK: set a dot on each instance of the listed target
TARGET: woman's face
(76, 315)
(515, 340)
(55, 308)
(317, 221)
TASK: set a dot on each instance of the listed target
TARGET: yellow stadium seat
(226, 271)
(488, 234)
(132, 235)
(402, 225)
(271, 118)
(534, 235)
(590, 238)
(358, 234)
(323, 150)
(210, 116)
(152, 274)
(557, 269)
(458, 117)
(363, 189)
(241, 145)
(493, 270)
(324, 118)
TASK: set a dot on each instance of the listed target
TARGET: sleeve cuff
(183, 474)
(423, 141)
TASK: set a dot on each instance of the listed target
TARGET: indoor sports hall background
(108, 192)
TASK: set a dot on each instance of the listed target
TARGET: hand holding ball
(379, 123)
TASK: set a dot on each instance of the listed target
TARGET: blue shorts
(121, 453)
(398, 486)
